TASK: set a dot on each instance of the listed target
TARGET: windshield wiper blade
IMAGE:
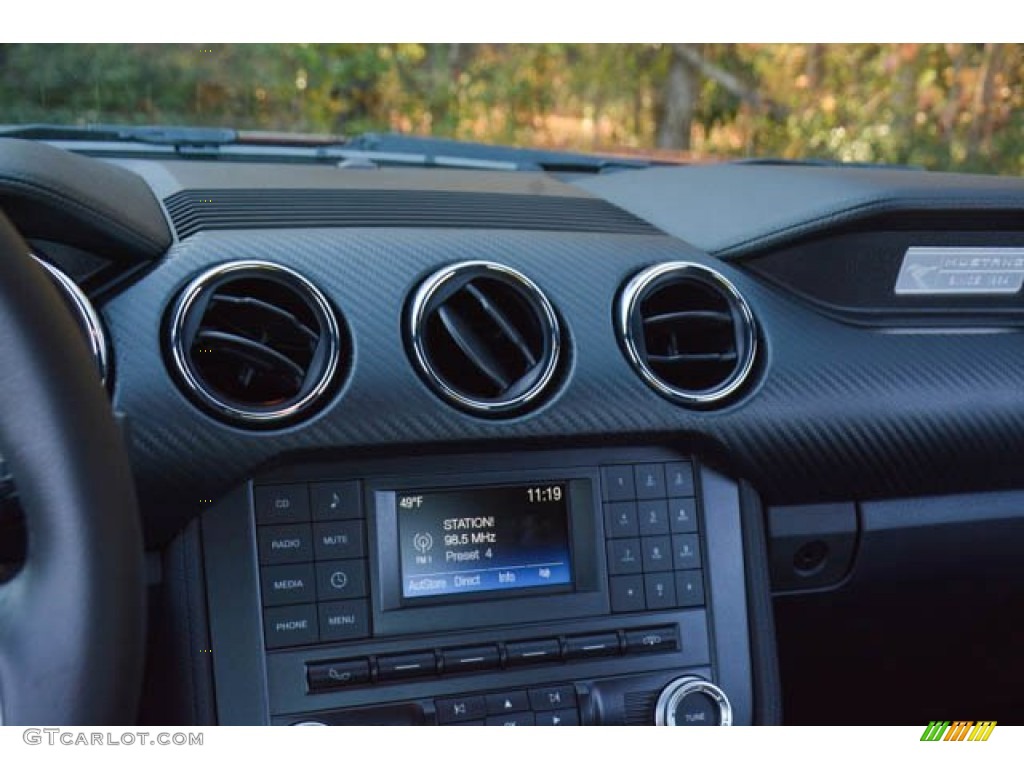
(189, 136)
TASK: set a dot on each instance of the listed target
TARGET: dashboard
(671, 445)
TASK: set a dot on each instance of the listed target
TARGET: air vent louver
(688, 332)
(254, 342)
(484, 336)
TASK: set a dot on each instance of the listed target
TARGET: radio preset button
(331, 675)
(336, 500)
(624, 556)
(338, 579)
(627, 594)
(508, 701)
(277, 504)
(460, 709)
(620, 519)
(650, 481)
(592, 646)
(290, 625)
(532, 652)
(406, 665)
(287, 584)
(657, 553)
(660, 589)
(679, 476)
(682, 515)
(652, 640)
(285, 544)
(344, 620)
(339, 541)
(686, 551)
(652, 517)
(689, 588)
(618, 483)
(553, 697)
(558, 717)
(472, 659)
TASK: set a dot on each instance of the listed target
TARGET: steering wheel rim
(72, 621)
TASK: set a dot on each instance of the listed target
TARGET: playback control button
(332, 675)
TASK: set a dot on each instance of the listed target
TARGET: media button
(652, 640)
(280, 544)
(508, 701)
(592, 646)
(277, 504)
(553, 697)
(287, 584)
(290, 625)
(407, 665)
(620, 519)
(459, 709)
(532, 652)
(331, 675)
(336, 501)
(558, 717)
(474, 659)
(339, 579)
(344, 620)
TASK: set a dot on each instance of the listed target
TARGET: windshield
(936, 106)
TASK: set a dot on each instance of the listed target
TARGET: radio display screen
(495, 539)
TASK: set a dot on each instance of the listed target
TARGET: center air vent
(688, 332)
(255, 343)
(484, 336)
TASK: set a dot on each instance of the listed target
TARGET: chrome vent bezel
(421, 305)
(86, 315)
(331, 335)
(643, 285)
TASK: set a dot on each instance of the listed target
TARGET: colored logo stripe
(960, 730)
(935, 730)
(982, 730)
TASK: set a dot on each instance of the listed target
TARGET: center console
(589, 587)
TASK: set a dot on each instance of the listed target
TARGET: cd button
(460, 709)
(336, 501)
(472, 659)
(509, 701)
(276, 504)
(592, 646)
(532, 652)
(406, 665)
(337, 674)
(558, 717)
(554, 697)
(618, 483)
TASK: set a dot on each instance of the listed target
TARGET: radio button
(652, 640)
(344, 620)
(285, 544)
(290, 625)
(618, 483)
(679, 475)
(532, 652)
(686, 550)
(287, 584)
(459, 710)
(338, 579)
(332, 675)
(475, 659)
(554, 697)
(682, 515)
(650, 481)
(689, 589)
(620, 519)
(558, 717)
(660, 589)
(624, 556)
(276, 504)
(520, 718)
(407, 665)
(627, 593)
(339, 541)
(652, 517)
(592, 646)
(336, 501)
(509, 701)
(657, 552)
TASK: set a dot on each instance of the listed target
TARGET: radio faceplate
(380, 583)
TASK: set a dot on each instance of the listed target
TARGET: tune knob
(692, 701)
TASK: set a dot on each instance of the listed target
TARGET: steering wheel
(72, 621)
